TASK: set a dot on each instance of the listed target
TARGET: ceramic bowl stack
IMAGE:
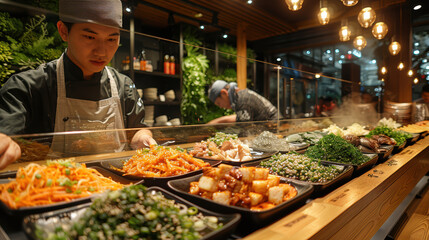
(140, 92)
(148, 115)
(175, 121)
(161, 120)
(150, 94)
(170, 95)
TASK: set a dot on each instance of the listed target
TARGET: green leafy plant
(25, 43)
(230, 53)
(194, 66)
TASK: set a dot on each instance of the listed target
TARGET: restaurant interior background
(293, 59)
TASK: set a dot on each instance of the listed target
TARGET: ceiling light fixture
(225, 35)
(350, 3)
(249, 1)
(383, 70)
(380, 30)
(294, 5)
(344, 32)
(416, 80)
(366, 17)
(394, 48)
(128, 9)
(198, 15)
(317, 76)
(417, 7)
(400, 66)
(323, 14)
(359, 43)
(410, 73)
(202, 26)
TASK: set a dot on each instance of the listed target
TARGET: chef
(77, 91)
(247, 104)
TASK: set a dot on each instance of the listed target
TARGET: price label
(341, 198)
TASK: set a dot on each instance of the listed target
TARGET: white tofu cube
(260, 186)
(224, 169)
(207, 184)
(247, 173)
(222, 197)
(255, 198)
(275, 195)
(261, 173)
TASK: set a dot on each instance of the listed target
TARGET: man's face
(425, 96)
(223, 100)
(91, 46)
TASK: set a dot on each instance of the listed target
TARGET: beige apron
(82, 115)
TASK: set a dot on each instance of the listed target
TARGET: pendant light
(383, 70)
(416, 80)
(323, 14)
(410, 73)
(294, 5)
(380, 30)
(400, 66)
(366, 17)
(344, 31)
(350, 3)
(394, 48)
(359, 43)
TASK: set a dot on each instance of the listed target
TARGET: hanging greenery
(25, 43)
(194, 66)
(230, 53)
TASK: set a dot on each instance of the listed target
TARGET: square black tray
(251, 220)
(358, 169)
(55, 218)
(256, 155)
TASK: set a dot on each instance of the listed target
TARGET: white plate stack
(150, 94)
(161, 120)
(148, 116)
(170, 95)
(175, 121)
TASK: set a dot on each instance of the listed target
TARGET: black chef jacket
(28, 100)
(251, 106)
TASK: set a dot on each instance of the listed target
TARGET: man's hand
(142, 138)
(9, 151)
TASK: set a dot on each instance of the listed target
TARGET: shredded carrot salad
(159, 161)
(58, 181)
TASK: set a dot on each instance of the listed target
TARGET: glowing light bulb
(317, 76)
(345, 33)
(410, 73)
(323, 16)
(359, 43)
(394, 48)
(350, 3)
(416, 80)
(400, 66)
(383, 70)
(294, 5)
(380, 30)
(382, 79)
(366, 17)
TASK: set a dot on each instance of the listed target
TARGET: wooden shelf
(157, 74)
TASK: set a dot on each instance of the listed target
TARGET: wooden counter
(357, 209)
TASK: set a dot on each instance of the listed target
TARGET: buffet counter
(357, 209)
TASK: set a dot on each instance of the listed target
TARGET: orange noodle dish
(159, 161)
(58, 181)
(248, 187)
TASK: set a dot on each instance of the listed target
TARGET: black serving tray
(23, 211)
(299, 147)
(320, 188)
(53, 219)
(149, 181)
(382, 157)
(358, 169)
(399, 148)
(251, 220)
(256, 155)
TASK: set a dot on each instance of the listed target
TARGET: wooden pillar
(398, 85)
(241, 56)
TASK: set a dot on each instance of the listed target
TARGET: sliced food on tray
(334, 148)
(383, 133)
(222, 146)
(248, 187)
(306, 137)
(370, 145)
(134, 213)
(58, 181)
(160, 161)
(301, 167)
(414, 128)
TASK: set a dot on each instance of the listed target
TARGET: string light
(400, 66)
(323, 16)
(345, 33)
(294, 5)
(350, 3)
(394, 48)
(416, 80)
(359, 43)
(383, 70)
(366, 17)
(410, 73)
(380, 30)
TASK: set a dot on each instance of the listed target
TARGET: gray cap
(215, 89)
(105, 12)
